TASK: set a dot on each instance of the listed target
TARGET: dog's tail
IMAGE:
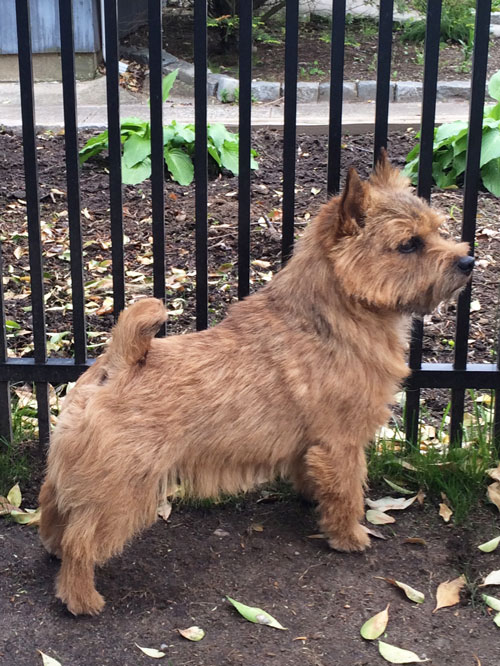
(134, 331)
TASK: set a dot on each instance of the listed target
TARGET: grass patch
(459, 473)
(14, 466)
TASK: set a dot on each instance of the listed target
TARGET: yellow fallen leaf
(164, 510)
(416, 540)
(378, 517)
(151, 652)
(494, 473)
(448, 593)
(374, 533)
(445, 512)
(48, 661)
(411, 593)
(14, 496)
(396, 655)
(390, 503)
(192, 633)
(493, 493)
(493, 578)
(490, 546)
(375, 626)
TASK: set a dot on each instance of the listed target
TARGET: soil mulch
(361, 44)
(258, 552)
(178, 574)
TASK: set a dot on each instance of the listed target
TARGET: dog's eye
(411, 245)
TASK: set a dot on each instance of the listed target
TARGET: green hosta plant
(450, 148)
(178, 147)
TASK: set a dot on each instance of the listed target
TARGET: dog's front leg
(338, 476)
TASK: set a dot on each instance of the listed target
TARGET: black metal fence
(42, 370)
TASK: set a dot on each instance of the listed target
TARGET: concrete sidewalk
(357, 116)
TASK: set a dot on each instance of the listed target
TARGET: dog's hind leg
(338, 476)
(75, 582)
(52, 522)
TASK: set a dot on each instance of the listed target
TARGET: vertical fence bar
(245, 132)
(384, 54)
(73, 178)
(336, 96)
(5, 409)
(32, 207)
(157, 158)
(432, 39)
(200, 161)
(471, 185)
(290, 130)
(115, 153)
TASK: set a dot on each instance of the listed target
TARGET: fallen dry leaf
(396, 655)
(487, 547)
(421, 496)
(494, 473)
(416, 540)
(164, 510)
(492, 578)
(493, 493)
(374, 533)
(378, 517)
(375, 626)
(445, 512)
(411, 593)
(390, 503)
(448, 593)
(192, 633)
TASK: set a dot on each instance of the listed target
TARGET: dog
(293, 383)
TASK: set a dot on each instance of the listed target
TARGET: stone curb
(225, 88)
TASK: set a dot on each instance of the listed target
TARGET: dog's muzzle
(465, 264)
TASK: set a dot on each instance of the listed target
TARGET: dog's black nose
(466, 264)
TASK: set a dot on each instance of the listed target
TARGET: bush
(457, 22)
(450, 148)
(178, 147)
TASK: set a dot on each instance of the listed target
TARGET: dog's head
(388, 252)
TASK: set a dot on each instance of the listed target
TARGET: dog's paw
(90, 605)
(357, 540)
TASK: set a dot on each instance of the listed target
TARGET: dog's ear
(385, 175)
(352, 204)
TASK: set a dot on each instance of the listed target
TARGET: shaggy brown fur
(294, 383)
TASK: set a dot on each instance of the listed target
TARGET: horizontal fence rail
(42, 371)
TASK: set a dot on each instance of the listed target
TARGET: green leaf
(218, 134)
(449, 130)
(134, 126)
(136, 174)
(168, 82)
(492, 602)
(443, 179)
(494, 86)
(229, 156)
(214, 153)
(12, 325)
(414, 152)
(180, 165)
(375, 626)
(490, 174)
(489, 547)
(397, 488)
(186, 134)
(135, 149)
(492, 112)
(496, 619)
(396, 655)
(255, 615)
(490, 146)
(14, 496)
(94, 146)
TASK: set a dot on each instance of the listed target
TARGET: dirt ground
(178, 574)
(361, 44)
(257, 552)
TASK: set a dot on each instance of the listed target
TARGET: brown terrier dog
(293, 383)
